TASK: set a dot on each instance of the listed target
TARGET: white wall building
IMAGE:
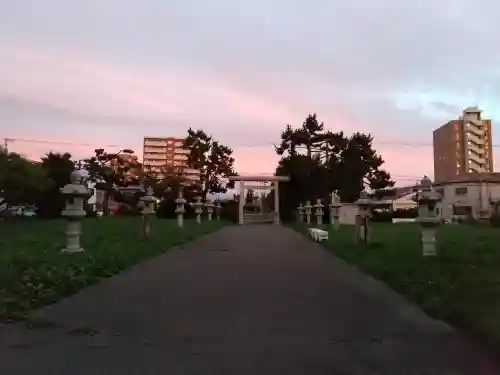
(468, 195)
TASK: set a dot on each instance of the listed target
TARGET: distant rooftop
(493, 177)
(472, 110)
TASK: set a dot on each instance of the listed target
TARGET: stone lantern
(427, 199)
(300, 211)
(198, 209)
(318, 211)
(148, 203)
(308, 211)
(209, 205)
(3, 205)
(217, 209)
(180, 210)
(335, 211)
(75, 192)
(363, 230)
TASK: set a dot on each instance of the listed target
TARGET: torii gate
(256, 178)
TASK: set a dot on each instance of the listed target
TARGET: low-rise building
(468, 195)
(400, 199)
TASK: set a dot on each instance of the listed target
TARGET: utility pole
(6, 144)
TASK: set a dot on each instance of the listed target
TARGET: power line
(55, 142)
(398, 177)
(257, 144)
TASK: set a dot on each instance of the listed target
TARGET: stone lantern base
(429, 241)
(428, 237)
(73, 232)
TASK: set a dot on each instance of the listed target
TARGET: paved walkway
(251, 300)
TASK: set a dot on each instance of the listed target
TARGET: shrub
(229, 211)
(382, 216)
(126, 210)
(495, 220)
(166, 210)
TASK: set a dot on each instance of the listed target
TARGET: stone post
(148, 202)
(180, 210)
(318, 211)
(363, 229)
(308, 210)
(198, 209)
(241, 203)
(300, 211)
(210, 208)
(75, 192)
(335, 211)
(276, 203)
(217, 209)
(427, 200)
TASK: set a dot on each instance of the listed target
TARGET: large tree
(213, 159)
(57, 168)
(21, 180)
(309, 137)
(112, 170)
(320, 162)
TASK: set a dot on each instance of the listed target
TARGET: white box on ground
(318, 235)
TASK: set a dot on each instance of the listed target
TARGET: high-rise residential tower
(463, 146)
(163, 153)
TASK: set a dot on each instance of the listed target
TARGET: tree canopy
(110, 171)
(320, 162)
(57, 167)
(21, 181)
(213, 159)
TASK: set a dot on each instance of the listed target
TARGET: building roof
(402, 191)
(446, 124)
(493, 177)
(150, 137)
(472, 110)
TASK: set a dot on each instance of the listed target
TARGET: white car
(20, 211)
(29, 213)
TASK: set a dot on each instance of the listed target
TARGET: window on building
(462, 210)
(461, 191)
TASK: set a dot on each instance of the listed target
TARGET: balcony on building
(155, 142)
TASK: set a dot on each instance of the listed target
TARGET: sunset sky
(108, 72)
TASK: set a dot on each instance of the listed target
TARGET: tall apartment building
(161, 154)
(463, 146)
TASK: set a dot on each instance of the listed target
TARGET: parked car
(22, 211)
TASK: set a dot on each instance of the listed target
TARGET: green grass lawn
(461, 285)
(34, 272)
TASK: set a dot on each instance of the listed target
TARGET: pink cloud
(74, 81)
(255, 160)
(81, 149)
(70, 80)
(406, 163)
